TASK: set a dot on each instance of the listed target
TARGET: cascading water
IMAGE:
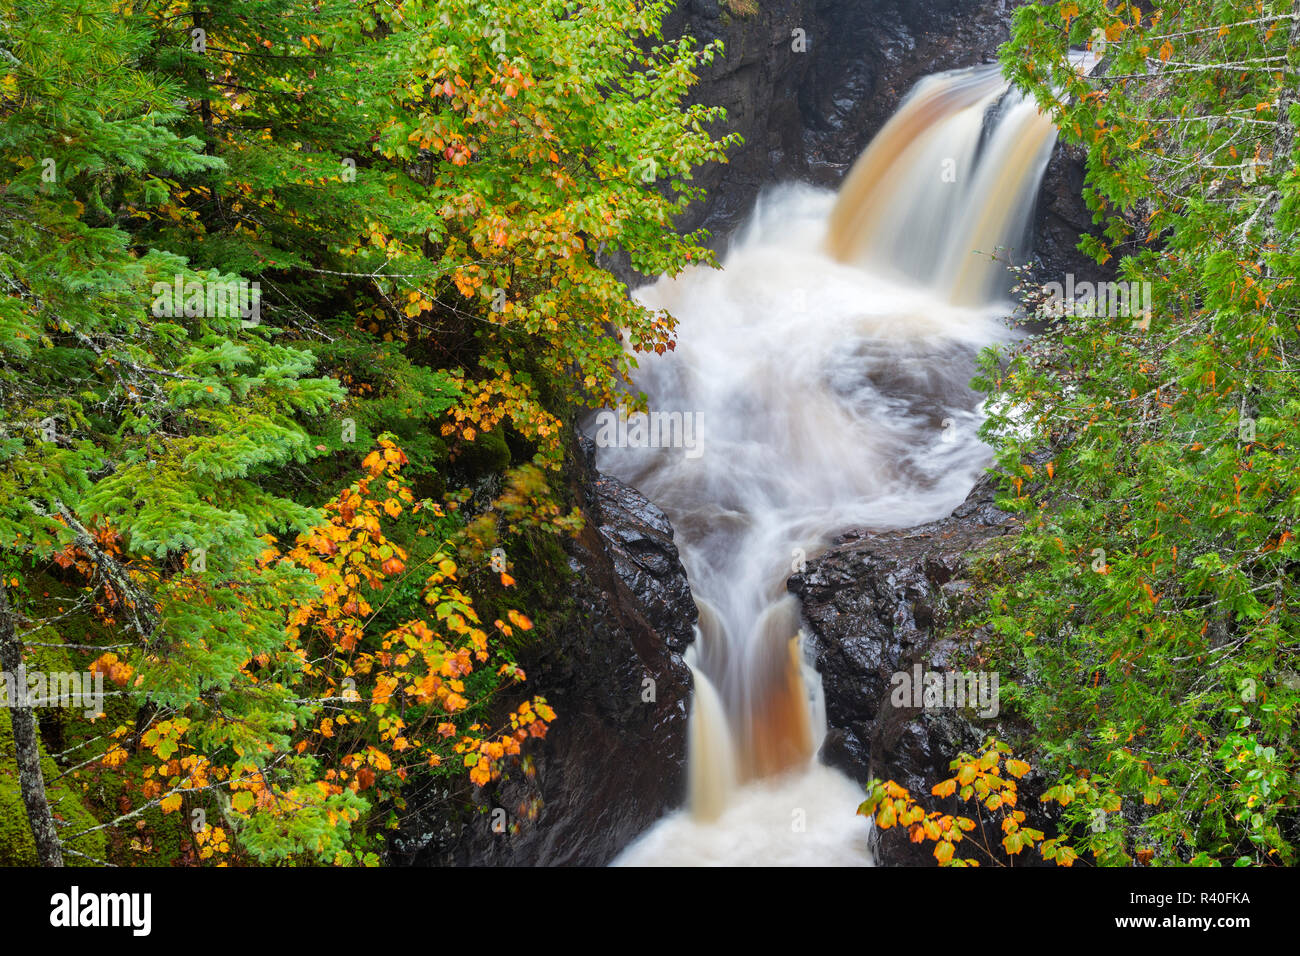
(826, 369)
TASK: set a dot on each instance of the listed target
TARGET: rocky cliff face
(614, 760)
(880, 603)
(1060, 218)
(808, 83)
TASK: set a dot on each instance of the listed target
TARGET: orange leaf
(945, 789)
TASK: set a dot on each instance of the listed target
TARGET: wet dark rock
(1060, 217)
(639, 539)
(807, 115)
(613, 762)
(877, 603)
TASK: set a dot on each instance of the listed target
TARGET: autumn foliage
(989, 783)
(276, 536)
(411, 681)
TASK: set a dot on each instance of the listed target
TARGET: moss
(55, 721)
(488, 454)
(154, 838)
(742, 8)
(17, 848)
(93, 794)
(542, 589)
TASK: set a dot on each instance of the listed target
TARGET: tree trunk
(23, 720)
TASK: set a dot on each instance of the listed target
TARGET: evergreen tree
(1155, 625)
(217, 214)
(141, 428)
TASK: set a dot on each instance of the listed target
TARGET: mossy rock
(488, 454)
(17, 848)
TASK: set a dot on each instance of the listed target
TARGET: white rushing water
(825, 370)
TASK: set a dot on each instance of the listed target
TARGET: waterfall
(828, 363)
(711, 755)
(948, 181)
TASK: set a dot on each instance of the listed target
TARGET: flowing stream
(825, 370)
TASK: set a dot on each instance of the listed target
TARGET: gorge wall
(808, 115)
(610, 663)
(879, 603)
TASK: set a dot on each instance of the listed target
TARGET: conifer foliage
(276, 278)
(1155, 621)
